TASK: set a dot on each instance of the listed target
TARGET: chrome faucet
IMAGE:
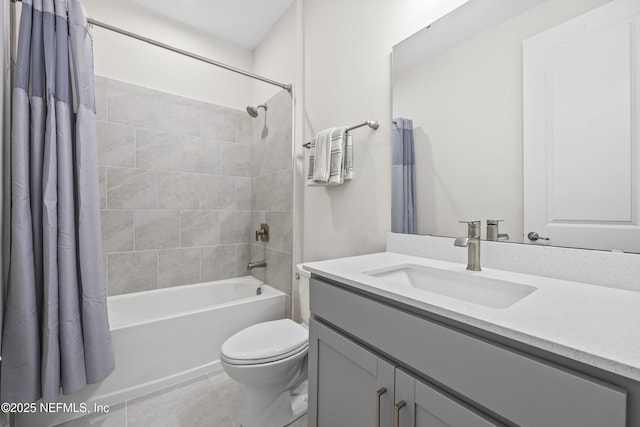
(493, 231)
(472, 242)
(256, 264)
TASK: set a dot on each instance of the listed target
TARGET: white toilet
(269, 360)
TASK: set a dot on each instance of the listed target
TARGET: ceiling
(241, 22)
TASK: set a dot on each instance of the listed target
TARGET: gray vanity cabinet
(446, 376)
(353, 385)
(419, 404)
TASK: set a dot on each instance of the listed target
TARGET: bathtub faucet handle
(263, 233)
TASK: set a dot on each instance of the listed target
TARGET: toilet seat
(265, 342)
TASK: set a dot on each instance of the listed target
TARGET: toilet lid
(266, 342)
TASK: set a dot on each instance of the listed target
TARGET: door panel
(581, 157)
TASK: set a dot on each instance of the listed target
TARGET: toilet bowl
(269, 360)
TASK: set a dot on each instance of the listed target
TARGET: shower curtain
(56, 333)
(403, 178)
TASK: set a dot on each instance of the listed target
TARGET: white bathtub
(167, 336)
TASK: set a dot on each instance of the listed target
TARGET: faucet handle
(492, 230)
(473, 228)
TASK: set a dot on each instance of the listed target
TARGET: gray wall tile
(158, 150)
(100, 88)
(179, 114)
(217, 192)
(236, 159)
(178, 267)
(257, 158)
(178, 190)
(131, 188)
(200, 155)
(243, 193)
(278, 155)
(257, 218)
(278, 271)
(133, 105)
(260, 193)
(217, 122)
(258, 252)
(235, 227)
(280, 114)
(280, 230)
(116, 144)
(273, 192)
(199, 228)
(117, 230)
(157, 230)
(218, 262)
(132, 272)
(243, 256)
(244, 135)
(282, 190)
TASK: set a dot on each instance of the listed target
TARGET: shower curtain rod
(182, 52)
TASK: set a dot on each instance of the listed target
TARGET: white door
(581, 122)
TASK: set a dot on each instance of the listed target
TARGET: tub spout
(256, 264)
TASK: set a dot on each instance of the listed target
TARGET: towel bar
(371, 123)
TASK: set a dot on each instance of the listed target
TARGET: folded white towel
(332, 167)
(321, 151)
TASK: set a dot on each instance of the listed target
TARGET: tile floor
(211, 401)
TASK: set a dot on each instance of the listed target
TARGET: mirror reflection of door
(581, 122)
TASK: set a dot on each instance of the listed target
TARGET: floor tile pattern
(211, 401)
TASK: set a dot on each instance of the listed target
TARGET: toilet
(269, 360)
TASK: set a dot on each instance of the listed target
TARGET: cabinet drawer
(522, 389)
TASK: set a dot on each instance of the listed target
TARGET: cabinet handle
(396, 412)
(379, 393)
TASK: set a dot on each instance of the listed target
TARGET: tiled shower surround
(176, 180)
(272, 190)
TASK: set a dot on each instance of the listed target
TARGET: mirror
(461, 82)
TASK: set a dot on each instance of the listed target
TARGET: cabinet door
(424, 406)
(346, 382)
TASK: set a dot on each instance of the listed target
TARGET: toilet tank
(303, 294)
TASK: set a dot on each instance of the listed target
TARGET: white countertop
(595, 325)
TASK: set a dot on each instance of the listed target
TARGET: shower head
(253, 111)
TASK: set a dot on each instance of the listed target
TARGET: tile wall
(272, 199)
(176, 189)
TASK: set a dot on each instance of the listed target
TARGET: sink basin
(463, 285)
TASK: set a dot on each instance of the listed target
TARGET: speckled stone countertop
(595, 325)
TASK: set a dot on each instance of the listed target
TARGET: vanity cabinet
(356, 387)
(361, 343)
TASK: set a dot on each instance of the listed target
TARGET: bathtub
(166, 336)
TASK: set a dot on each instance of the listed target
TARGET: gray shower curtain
(403, 178)
(56, 333)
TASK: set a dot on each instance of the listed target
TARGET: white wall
(276, 57)
(122, 58)
(347, 81)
